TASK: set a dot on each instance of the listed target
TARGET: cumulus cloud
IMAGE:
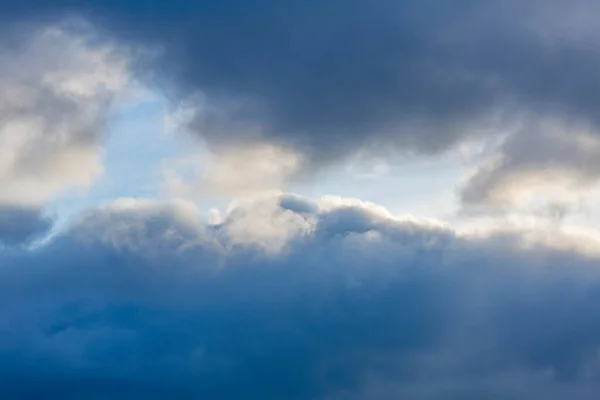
(324, 80)
(283, 297)
(56, 87)
(232, 173)
(144, 299)
(550, 158)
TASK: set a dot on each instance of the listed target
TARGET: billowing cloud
(282, 297)
(56, 87)
(323, 80)
(550, 158)
(143, 299)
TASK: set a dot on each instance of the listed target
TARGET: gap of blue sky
(141, 144)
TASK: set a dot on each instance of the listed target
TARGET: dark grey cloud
(143, 300)
(330, 78)
(20, 225)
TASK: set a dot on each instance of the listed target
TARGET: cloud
(56, 87)
(144, 299)
(231, 174)
(325, 80)
(19, 225)
(561, 159)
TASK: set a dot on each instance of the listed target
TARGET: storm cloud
(326, 80)
(288, 298)
(283, 297)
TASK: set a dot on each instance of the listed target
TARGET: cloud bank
(282, 297)
(324, 80)
(288, 298)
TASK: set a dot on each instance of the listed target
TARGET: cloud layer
(324, 80)
(288, 298)
(282, 297)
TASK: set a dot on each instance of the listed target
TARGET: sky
(300, 200)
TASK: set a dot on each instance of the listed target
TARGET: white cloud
(241, 172)
(55, 92)
(545, 164)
